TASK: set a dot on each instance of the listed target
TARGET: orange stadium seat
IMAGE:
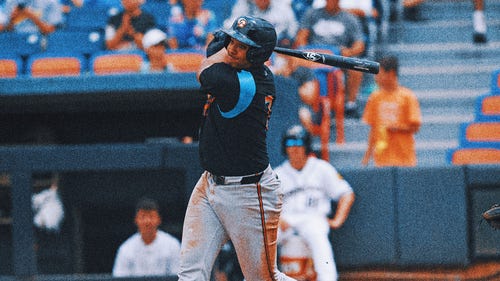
(10, 67)
(45, 65)
(184, 61)
(488, 108)
(474, 155)
(110, 62)
(480, 134)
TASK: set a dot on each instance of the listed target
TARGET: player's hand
(334, 224)
(218, 43)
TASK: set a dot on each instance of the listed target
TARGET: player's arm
(220, 56)
(369, 148)
(343, 209)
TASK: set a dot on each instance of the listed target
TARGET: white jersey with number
(308, 193)
(160, 258)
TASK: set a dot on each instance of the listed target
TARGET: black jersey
(233, 133)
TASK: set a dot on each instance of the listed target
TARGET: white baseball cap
(153, 37)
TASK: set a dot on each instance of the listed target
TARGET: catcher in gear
(239, 196)
(492, 216)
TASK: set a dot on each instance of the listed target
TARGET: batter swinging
(239, 196)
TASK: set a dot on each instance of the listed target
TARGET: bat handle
(358, 64)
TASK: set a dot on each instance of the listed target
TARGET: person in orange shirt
(393, 114)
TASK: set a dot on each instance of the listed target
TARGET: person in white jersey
(150, 251)
(310, 185)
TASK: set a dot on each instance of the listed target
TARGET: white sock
(479, 22)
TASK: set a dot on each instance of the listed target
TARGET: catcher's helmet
(257, 33)
(296, 135)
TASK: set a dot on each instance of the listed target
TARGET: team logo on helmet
(242, 22)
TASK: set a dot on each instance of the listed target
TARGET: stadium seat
(480, 134)
(12, 43)
(473, 155)
(184, 60)
(488, 108)
(113, 62)
(85, 42)
(495, 82)
(160, 9)
(52, 65)
(10, 67)
(88, 18)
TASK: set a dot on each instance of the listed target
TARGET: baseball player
(310, 184)
(238, 196)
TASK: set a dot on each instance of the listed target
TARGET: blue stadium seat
(495, 82)
(221, 9)
(85, 42)
(88, 18)
(160, 9)
(12, 43)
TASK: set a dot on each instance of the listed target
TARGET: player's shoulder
(167, 237)
(319, 165)
(281, 168)
(407, 92)
(130, 244)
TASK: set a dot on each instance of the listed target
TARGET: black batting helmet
(296, 135)
(257, 33)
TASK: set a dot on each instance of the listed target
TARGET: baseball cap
(153, 37)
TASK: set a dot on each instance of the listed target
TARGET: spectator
(277, 12)
(332, 26)
(393, 114)
(150, 252)
(68, 5)
(365, 11)
(191, 26)
(37, 16)
(3, 18)
(154, 43)
(48, 210)
(310, 185)
(315, 113)
(124, 31)
(479, 22)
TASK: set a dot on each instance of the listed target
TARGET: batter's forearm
(343, 209)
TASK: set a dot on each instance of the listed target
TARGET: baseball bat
(333, 60)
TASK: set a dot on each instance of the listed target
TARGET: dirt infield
(487, 271)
